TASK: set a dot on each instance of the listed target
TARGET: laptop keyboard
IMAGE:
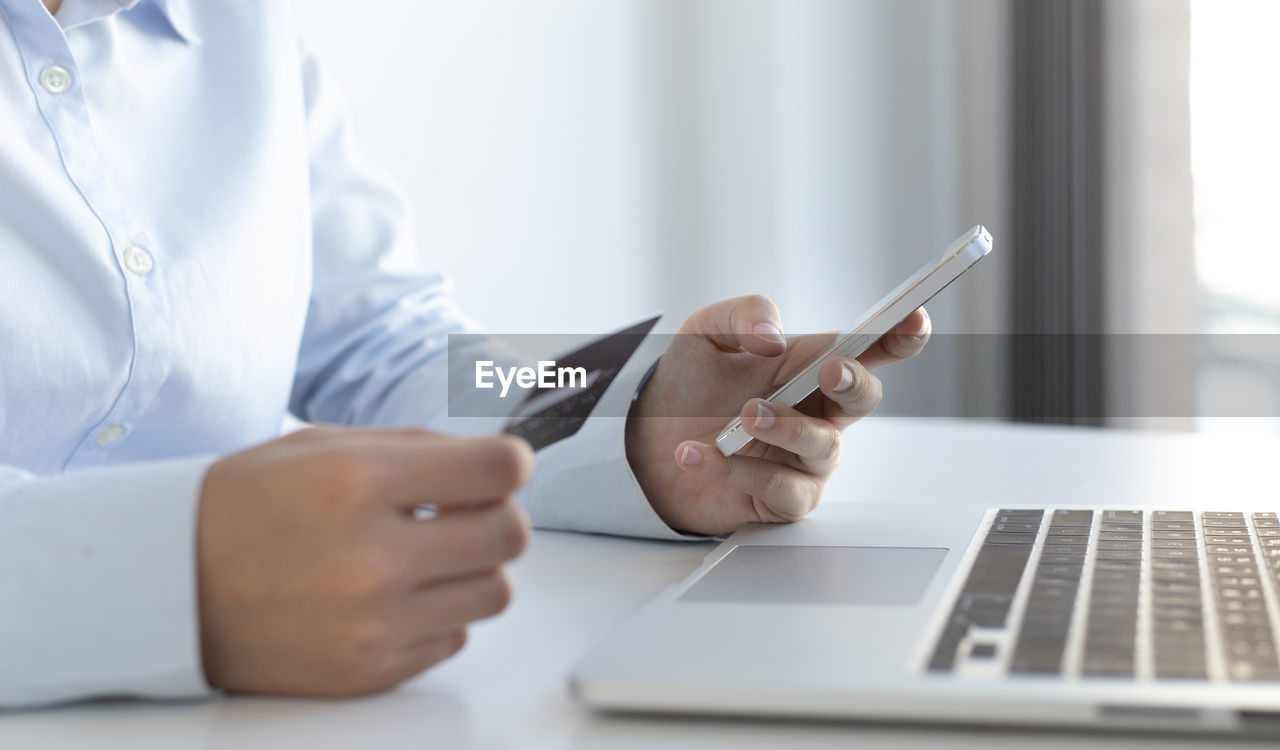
(1117, 594)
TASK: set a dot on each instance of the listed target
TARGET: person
(192, 248)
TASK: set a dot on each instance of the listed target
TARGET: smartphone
(911, 294)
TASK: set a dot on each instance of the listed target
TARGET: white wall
(513, 127)
(577, 163)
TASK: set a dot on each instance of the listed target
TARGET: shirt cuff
(100, 598)
(585, 482)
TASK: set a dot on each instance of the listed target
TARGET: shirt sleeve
(374, 348)
(585, 482)
(99, 592)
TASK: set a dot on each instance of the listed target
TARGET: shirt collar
(176, 13)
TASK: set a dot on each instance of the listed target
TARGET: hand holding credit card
(549, 415)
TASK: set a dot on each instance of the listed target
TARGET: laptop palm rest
(761, 574)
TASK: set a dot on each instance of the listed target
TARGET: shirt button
(55, 79)
(138, 260)
(109, 436)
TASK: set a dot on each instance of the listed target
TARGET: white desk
(507, 689)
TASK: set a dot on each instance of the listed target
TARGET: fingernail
(847, 377)
(769, 331)
(690, 456)
(918, 335)
(764, 418)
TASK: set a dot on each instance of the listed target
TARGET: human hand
(725, 352)
(316, 579)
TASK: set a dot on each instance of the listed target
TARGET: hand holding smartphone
(911, 294)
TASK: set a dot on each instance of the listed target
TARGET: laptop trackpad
(894, 576)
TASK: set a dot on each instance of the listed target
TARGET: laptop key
(1175, 614)
(1037, 658)
(1074, 559)
(1120, 545)
(1122, 516)
(1193, 670)
(1072, 518)
(1119, 536)
(1228, 549)
(1215, 533)
(1059, 570)
(1183, 575)
(1174, 587)
(1107, 554)
(1178, 626)
(997, 537)
(1017, 527)
(1164, 553)
(1065, 549)
(1112, 526)
(1043, 592)
(1070, 530)
(1104, 641)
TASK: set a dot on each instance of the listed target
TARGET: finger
(906, 340)
(452, 605)
(850, 391)
(780, 493)
(422, 655)
(813, 439)
(746, 323)
(461, 543)
(408, 470)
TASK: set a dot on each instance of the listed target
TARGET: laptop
(1139, 619)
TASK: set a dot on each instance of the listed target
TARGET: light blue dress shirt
(190, 247)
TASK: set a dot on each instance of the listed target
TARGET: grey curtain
(1057, 367)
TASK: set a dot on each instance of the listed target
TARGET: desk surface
(507, 689)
